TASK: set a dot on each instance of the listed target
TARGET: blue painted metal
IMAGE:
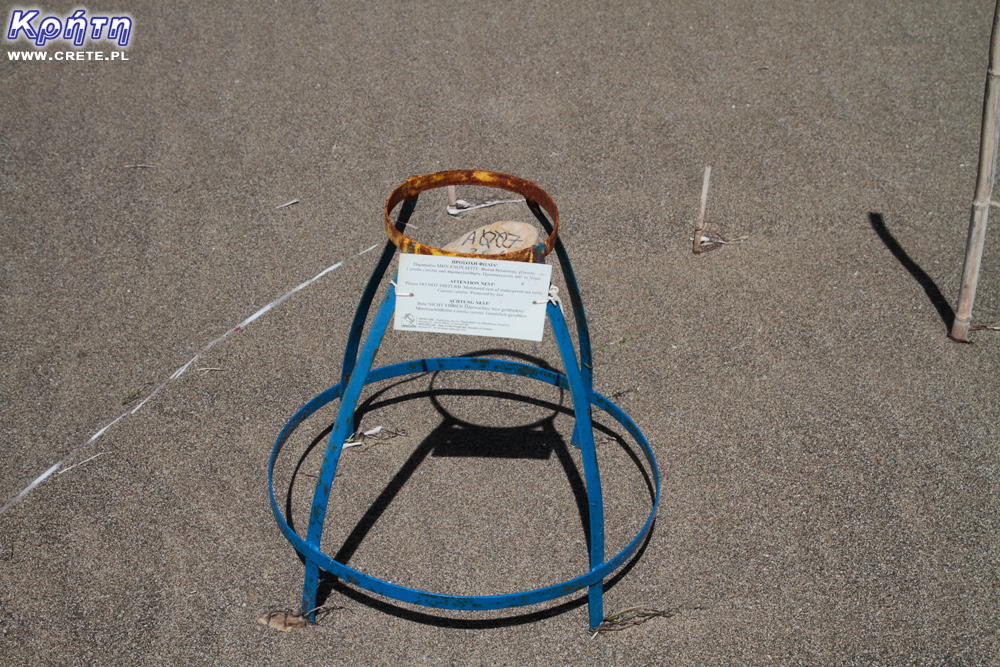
(584, 432)
(442, 601)
(357, 372)
(361, 316)
(582, 330)
(342, 430)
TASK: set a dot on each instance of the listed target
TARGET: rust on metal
(414, 185)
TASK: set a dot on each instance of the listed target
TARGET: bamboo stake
(704, 204)
(984, 187)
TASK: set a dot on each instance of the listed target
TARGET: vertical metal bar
(573, 287)
(582, 330)
(584, 431)
(310, 589)
(361, 314)
(335, 444)
(988, 138)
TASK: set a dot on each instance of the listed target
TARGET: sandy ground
(828, 457)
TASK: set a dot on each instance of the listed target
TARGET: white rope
(553, 298)
(398, 293)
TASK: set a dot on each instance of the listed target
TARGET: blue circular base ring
(437, 600)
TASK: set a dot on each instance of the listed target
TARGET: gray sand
(829, 458)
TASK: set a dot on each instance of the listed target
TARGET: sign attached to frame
(472, 297)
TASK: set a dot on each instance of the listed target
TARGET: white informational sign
(474, 297)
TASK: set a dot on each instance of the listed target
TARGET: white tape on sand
(41, 478)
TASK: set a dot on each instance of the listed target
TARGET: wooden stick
(989, 135)
(704, 204)
(452, 201)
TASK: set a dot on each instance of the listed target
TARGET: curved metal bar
(596, 575)
(494, 179)
(578, 379)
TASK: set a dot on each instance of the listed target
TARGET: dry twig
(324, 610)
(137, 395)
(714, 240)
(631, 617)
(377, 434)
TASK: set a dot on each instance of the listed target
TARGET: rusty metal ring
(414, 185)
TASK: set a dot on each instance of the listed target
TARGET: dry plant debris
(619, 343)
(631, 617)
(137, 395)
(461, 206)
(285, 620)
(713, 241)
(377, 434)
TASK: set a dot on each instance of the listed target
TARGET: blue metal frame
(357, 371)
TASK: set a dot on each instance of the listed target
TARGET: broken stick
(701, 215)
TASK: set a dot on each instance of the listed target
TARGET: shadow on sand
(456, 438)
(937, 299)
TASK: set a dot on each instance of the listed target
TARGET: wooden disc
(495, 239)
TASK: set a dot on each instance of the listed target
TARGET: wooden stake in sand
(704, 204)
(985, 178)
